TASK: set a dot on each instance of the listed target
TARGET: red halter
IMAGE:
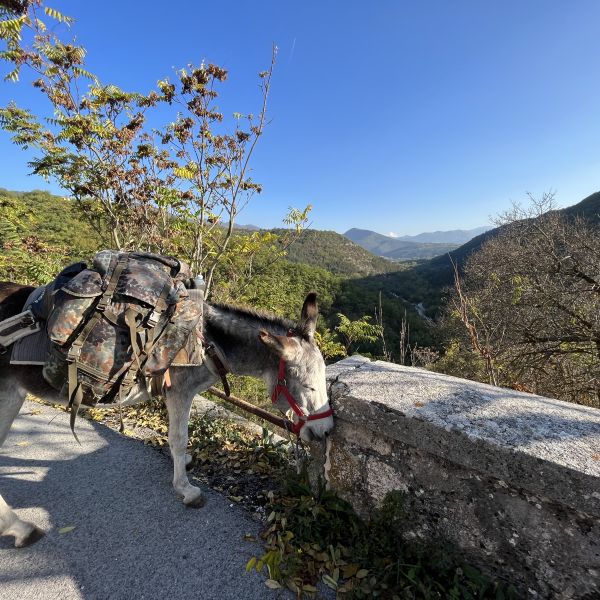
(282, 388)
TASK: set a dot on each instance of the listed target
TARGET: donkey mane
(231, 318)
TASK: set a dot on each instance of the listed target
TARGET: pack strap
(75, 391)
(153, 319)
(131, 321)
(140, 353)
(215, 357)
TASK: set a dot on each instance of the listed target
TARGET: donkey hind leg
(179, 403)
(25, 533)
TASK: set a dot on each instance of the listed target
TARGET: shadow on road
(132, 537)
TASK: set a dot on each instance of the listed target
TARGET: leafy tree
(174, 189)
(329, 346)
(529, 304)
(357, 332)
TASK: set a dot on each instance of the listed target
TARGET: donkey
(250, 342)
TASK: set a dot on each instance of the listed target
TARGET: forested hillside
(336, 253)
(40, 233)
(432, 276)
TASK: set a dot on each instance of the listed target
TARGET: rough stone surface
(511, 478)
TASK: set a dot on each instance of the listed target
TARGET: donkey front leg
(25, 533)
(179, 403)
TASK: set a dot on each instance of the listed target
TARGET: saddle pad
(33, 349)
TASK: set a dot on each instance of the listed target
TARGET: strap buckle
(74, 352)
(153, 318)
(102, 304)
(28, 320)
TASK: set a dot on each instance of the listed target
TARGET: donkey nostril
(327, 434)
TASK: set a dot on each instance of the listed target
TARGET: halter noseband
(282, 388)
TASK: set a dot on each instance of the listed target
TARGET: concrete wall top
(547, 447)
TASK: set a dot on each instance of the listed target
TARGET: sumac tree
(176, 188)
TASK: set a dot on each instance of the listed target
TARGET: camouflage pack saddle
(121, 322)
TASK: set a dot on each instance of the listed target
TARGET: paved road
(133, 538)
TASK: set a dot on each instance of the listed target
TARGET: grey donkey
(251, 343)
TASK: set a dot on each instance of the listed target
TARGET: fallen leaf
(22, 443)
(272, 584)
(350, 570)
(67, 529)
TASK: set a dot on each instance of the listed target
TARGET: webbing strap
(154, 317)
(219, 366)
(160, 306)
(130, 319)
(75, 391)
(112, 283)
(75, 397)
(16, 327)
(75, 350)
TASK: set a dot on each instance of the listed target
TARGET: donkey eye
(312, 389)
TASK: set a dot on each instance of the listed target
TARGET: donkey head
(301, 377)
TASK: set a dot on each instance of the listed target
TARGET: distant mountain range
(454, 236)
(396, 248)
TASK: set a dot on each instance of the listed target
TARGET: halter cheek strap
(282, 388)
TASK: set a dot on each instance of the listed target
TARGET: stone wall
(510, 478)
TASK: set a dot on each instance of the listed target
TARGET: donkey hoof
(34, 536)
(197, 501)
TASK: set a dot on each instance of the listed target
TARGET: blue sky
(396, 116)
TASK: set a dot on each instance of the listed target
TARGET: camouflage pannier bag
(119, 323)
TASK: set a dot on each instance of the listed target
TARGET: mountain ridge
(393, 248)
(426, 281)
(452, 236)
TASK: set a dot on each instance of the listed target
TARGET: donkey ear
(308, 317)
(282, 346)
